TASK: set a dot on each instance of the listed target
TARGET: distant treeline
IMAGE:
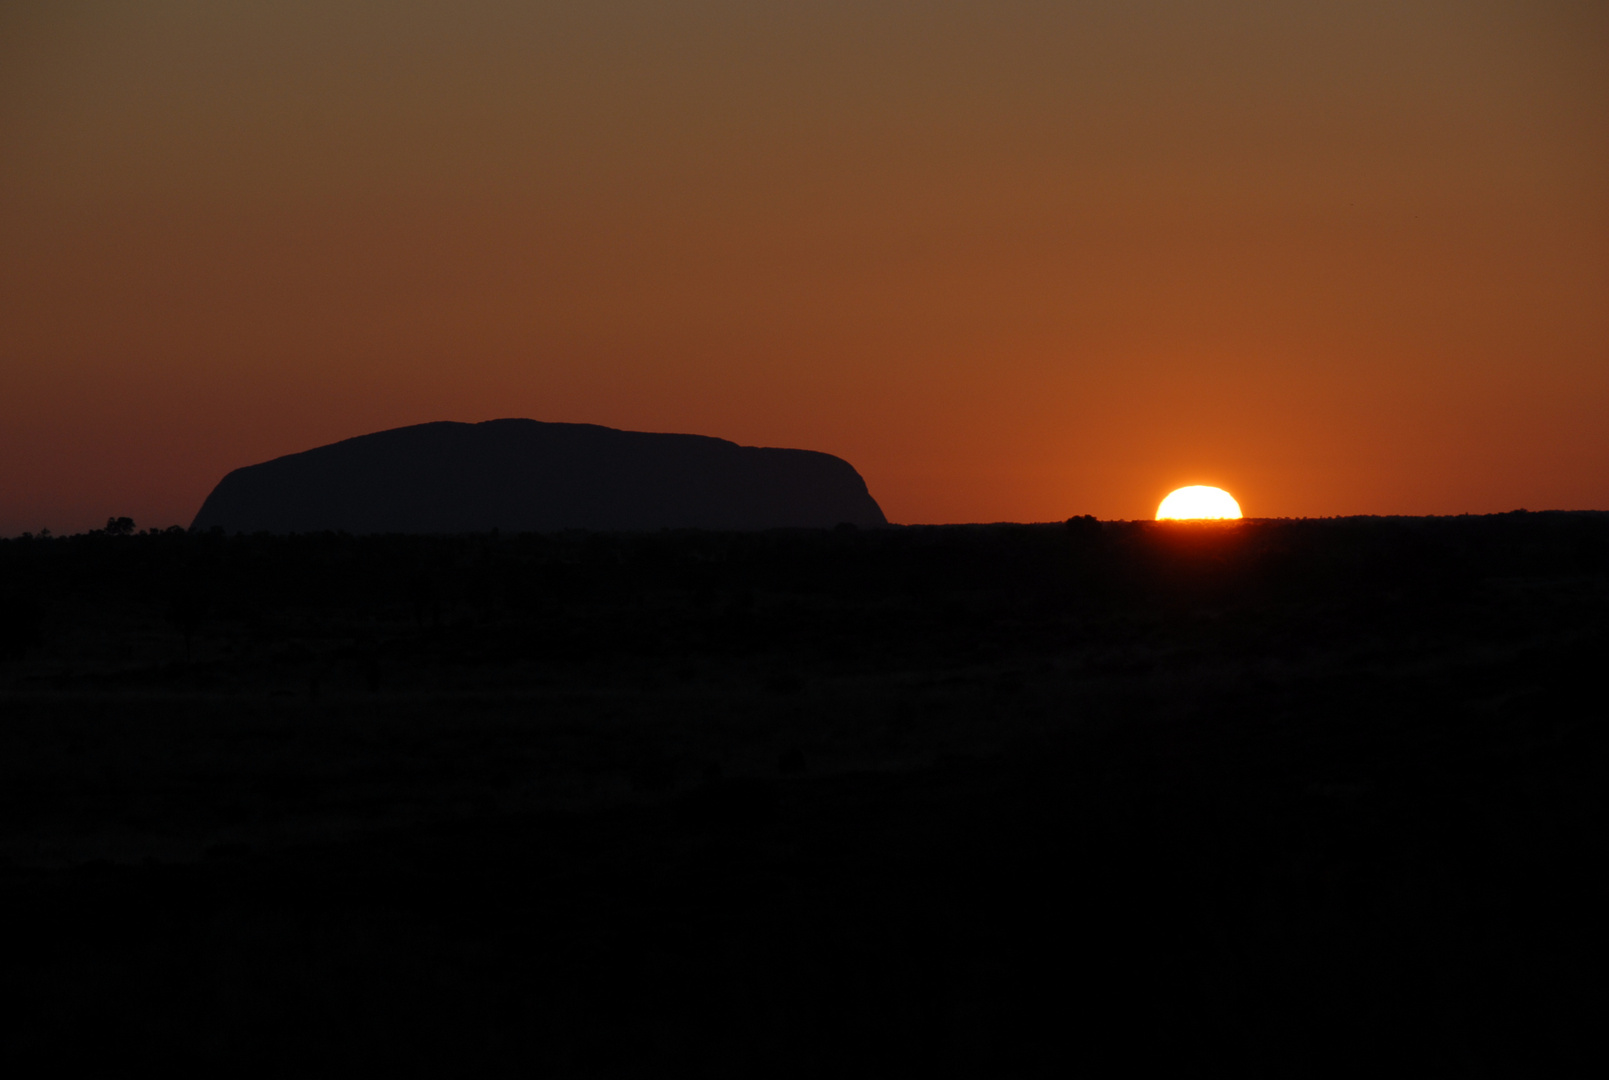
(1082, 564)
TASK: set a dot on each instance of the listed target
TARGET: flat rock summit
(529, 476)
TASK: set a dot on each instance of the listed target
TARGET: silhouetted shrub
(22, 622)
(187, 607)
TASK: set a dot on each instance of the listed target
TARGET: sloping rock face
(528, 476)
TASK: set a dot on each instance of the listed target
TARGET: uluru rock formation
(529, 476)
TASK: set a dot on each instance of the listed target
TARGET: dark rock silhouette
(528, 476)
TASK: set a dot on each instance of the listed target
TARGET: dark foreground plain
(1271, 797)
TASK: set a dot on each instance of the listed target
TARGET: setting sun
(1196, 503)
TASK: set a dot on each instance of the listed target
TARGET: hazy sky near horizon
(1013, 260)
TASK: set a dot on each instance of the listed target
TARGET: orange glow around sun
(1009, 261)
(1198, 503)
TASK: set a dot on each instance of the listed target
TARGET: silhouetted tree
(120, 526)
(1084, 526)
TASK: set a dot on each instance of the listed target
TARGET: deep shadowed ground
(1291, 797)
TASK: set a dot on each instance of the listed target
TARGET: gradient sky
(1015, 261)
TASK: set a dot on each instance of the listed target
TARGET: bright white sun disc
(1196, 503)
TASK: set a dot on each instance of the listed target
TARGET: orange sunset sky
(1014, 261)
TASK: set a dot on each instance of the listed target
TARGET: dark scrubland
(1281, 797)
